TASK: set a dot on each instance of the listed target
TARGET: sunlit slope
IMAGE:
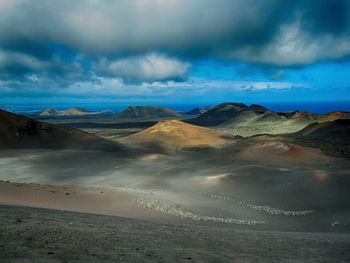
(176, 134)
(71, 111)
(251, 122)
(248, 123)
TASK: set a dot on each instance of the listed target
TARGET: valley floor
(43, 235)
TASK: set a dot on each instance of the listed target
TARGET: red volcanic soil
(335, 115)
(274, 150)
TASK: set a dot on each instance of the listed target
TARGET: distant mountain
(49, 112)
(147, 112)
(198, 111)
(251, 117)
(17, 131)
(335, 115)
(228, 114)
(301, 115)
(174, 134)
(71, 111)
(219, 114)
(256, 107)
(75, 111)
(331, 116)
(250, 122)
(241, 117)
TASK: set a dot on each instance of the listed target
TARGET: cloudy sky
(158, 52)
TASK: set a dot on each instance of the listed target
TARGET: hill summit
(70, 111)
(147, 112)
(174, 134)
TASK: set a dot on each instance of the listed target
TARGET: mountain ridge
(148, 112)
(74, 111)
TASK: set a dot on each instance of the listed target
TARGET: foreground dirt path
(43, 235)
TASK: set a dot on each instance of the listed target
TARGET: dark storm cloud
(326, 16)
(22, 66)
(266, 32)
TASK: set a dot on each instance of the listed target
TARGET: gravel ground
(44, 235)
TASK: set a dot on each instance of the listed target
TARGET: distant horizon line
(283, 106)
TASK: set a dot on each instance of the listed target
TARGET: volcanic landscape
(229, 177)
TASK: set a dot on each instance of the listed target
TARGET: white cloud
(149, 68)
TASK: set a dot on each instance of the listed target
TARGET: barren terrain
(254, 199)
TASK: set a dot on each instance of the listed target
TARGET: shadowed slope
(198, 111)
(330, 130)
(175, 134)
(219, 114)
(147, 112)
(332, 137)
(17, 131)
(257, 107)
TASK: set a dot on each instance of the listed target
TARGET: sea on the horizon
(312, 106)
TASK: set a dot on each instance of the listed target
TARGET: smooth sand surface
(43, 235)
(97, 200)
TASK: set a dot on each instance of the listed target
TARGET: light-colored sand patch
(150, 157)
(219, 176)
(264, 208)
(321, 175)
(170, 209)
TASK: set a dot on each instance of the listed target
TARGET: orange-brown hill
(147, 112)
(271, 149)
(174, 134)
(17, 131)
